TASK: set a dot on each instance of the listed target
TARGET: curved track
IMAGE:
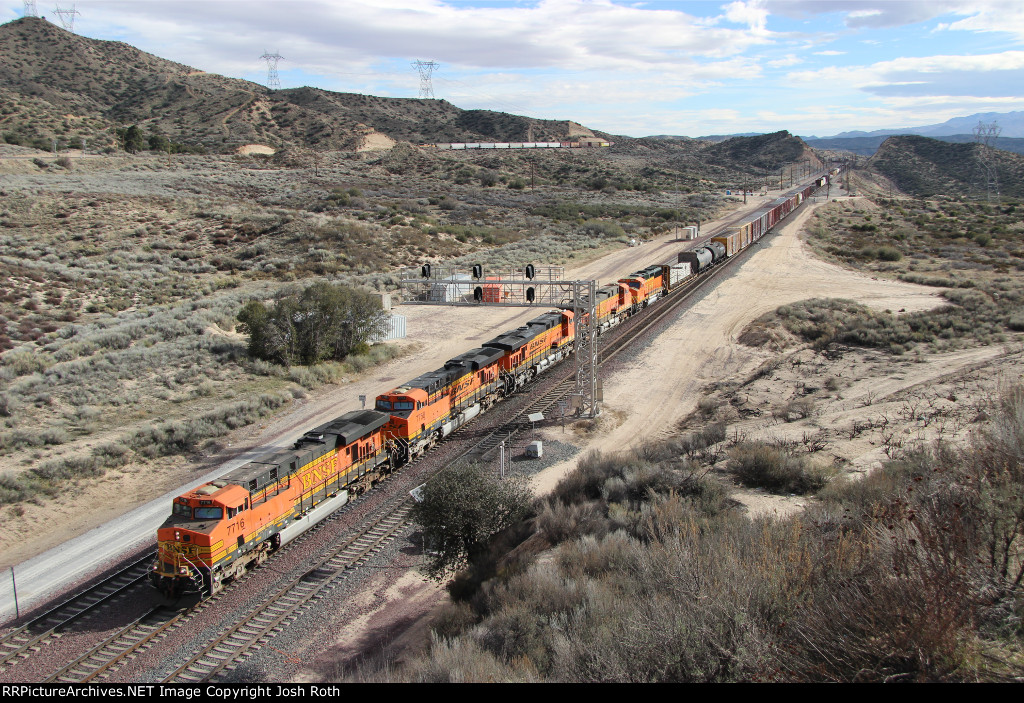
(269, 614)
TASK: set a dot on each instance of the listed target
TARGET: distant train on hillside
(457, 146)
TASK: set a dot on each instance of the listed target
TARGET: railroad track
(22, 642)
(237, 642)
(627, 333)
(242, 639)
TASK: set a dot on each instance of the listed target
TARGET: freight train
(458, 146)
(219, 530)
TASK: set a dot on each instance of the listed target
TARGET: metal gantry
(541, 287)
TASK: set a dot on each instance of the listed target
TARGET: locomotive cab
(191, 540)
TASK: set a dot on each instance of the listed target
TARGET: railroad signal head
(530, 294)
(425, 270)
(478, 271)
(530, 271)
(478, 294)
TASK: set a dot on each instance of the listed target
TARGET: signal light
(478, 271)
(478, 294)
(530, 271)
(425, 270)
(530, 295)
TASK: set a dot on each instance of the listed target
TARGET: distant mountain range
(1011, 124)
(866, 146)
(958, 130)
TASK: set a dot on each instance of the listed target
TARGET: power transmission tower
(67, 17)
(273, 82)
(30, 8)
(986, 135)
(425, 68)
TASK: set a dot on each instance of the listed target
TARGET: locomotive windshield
(209, 513)
(383, 404)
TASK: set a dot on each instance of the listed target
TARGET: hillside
(924, 167)
(765, 151)
(867, 146)
(58, 85)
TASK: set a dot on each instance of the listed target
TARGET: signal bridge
(540, 286)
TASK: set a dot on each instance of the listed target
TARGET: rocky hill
(58, 85)
(924, 167)
(764, 151)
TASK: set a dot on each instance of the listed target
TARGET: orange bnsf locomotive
(219, 530)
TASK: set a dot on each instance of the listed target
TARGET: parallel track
(22, 642)
(277, 610)
(239, 641)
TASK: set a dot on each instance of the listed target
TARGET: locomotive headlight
(183, 570)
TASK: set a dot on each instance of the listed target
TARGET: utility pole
(30, 8)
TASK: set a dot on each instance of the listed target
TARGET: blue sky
(813, 67)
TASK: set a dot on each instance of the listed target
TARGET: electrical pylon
(425, 68)
(273, 82)
(67, 17)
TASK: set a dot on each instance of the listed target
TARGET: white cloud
(751, 13)
(568, 34)
(980, 15)
(788, 60)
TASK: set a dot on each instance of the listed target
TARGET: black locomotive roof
(266, 469)
(510, 341)
(646, 273)
(432, 381)
(474, 359)
(346, 429)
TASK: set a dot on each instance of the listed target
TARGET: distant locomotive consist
(218, 530)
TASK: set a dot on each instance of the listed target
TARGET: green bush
(322, 322)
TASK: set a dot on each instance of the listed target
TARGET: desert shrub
(462, 508)
(760, 465)
(604, 228)
(912, 574)
(560, 522)
(887, 253)
(708, 406)
(182, 436)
